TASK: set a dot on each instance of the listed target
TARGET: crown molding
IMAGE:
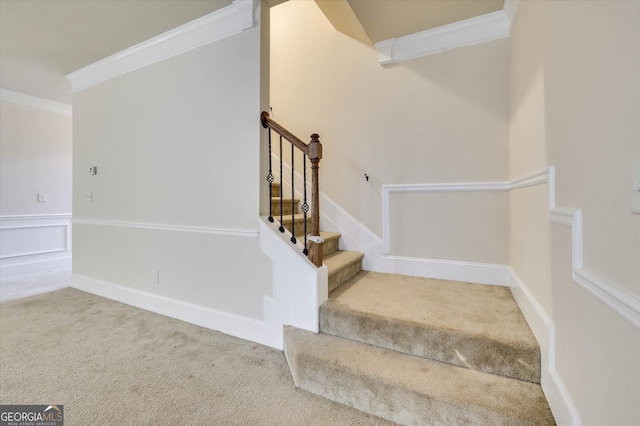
(471, 31)
(223, 23)
(27, 101)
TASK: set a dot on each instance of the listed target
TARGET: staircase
(416, 351)
(341, 264)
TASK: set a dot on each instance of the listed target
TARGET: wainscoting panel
(18, 241)
(34, 243)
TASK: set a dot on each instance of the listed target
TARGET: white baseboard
(235, 325)
(479, 273)
(299, 290)
(562, 406)
(34, 266)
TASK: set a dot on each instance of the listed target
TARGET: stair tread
(409, 389)
(469, 325)
(327, 235)
(340, 259)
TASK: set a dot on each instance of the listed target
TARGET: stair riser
(330, 246)
(299, 226)
(343, 275)
(406, 408)
(440, 345)
(287, 207)
(275, 190)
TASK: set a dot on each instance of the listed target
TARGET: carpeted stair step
(331, 239)
(331, 242)
(407, 389)
(469, 325)
(298, 221)
(288, 205)
(342, 265)
(275, 189)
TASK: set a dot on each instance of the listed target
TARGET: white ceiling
(66, 35)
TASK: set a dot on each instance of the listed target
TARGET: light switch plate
(93, 170)
(42, 198)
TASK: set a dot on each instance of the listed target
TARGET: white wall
(177, 146)
(442, 118)
(575, 103)
(35, 146)
(451, 225)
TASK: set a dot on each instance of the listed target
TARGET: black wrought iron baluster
(293, 197)
(281, 226)
(305, 206)
(270, 180)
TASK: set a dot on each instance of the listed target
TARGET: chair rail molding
(233, 232)
(622, 302)
(223, 23)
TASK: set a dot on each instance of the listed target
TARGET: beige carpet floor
(113, 364)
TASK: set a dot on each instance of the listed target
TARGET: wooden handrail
(268, 122)
(313, 150)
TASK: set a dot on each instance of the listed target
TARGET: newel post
(315, 241)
